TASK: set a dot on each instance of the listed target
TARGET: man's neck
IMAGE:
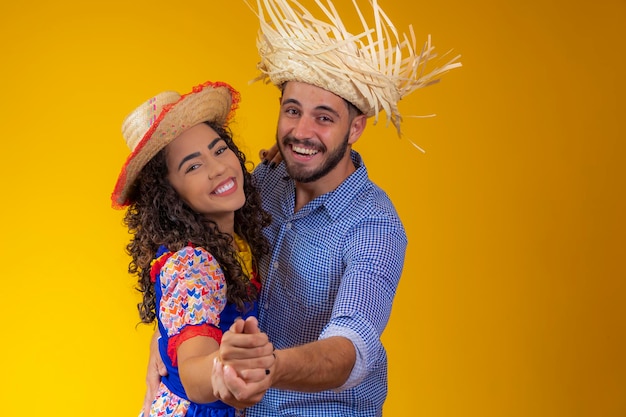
(307, 192)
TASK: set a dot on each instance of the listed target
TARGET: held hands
(242, 371)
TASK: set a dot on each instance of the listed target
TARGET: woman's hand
(270, 156)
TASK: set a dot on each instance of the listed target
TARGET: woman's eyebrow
(187, 158)
(212, 144)
(197, 154)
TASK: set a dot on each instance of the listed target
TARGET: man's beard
(302, 175)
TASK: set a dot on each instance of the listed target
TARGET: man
(338, 245)
(338, 251)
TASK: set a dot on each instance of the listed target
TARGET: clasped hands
(244, 366)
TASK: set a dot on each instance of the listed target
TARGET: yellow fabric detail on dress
(245, 255)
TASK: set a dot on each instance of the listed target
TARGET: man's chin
(299, 174)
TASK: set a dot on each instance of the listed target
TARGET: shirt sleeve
(193, 294)
(374, 254)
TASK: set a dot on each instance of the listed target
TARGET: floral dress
(191, 301)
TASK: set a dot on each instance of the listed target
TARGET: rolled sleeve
(359, 371)
(364, 300)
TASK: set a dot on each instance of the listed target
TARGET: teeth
(225, 187)
(304, 151)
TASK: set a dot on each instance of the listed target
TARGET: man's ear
(356, 128)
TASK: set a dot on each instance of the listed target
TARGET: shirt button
(266, 306)
(275, 266)
(288, 226)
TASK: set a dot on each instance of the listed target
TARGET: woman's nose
(216, 169)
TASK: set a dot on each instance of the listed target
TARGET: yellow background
(512, 302)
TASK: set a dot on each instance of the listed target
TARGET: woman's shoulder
(190, 261)
(191, 257)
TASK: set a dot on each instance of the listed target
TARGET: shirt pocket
(308, 281)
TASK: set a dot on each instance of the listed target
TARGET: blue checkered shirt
(333, 271)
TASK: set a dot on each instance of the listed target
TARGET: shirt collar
(333, 202)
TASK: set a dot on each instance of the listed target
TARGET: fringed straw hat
(373, 69)
(158, 121)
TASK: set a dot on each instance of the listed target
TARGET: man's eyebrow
(321, 107)
(327, 109)
(291, 101)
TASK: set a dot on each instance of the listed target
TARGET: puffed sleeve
(193, 296)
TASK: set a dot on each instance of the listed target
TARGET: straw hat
(158, 121)
(373, 69)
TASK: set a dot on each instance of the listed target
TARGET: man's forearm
(317, 366)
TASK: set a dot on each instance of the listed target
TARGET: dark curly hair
(158, 216)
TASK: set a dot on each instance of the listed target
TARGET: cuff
(359, 371)
(187, 333)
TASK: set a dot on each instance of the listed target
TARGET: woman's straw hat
(158, 121)
(373, 69)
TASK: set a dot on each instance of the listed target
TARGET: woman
(196, 222)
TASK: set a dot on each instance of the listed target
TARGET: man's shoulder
(265, 176)
(370, 210)
(367, 196)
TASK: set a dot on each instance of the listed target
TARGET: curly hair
(158, 216)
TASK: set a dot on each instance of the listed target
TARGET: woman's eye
(221, 150)
(192, 168)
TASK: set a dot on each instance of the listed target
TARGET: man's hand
(156, 369)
